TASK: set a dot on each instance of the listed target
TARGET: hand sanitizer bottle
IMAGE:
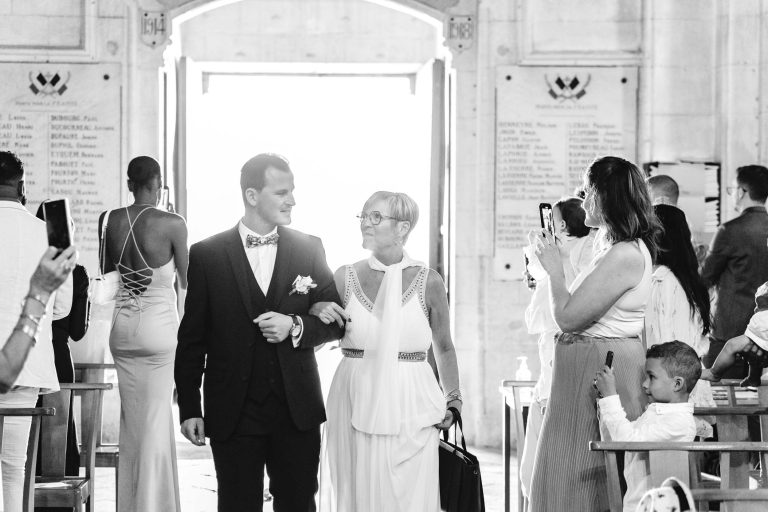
(524, 373)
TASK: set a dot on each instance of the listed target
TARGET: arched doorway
(256, 75)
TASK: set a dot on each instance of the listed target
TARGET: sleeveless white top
(421, 402)
(626, 317)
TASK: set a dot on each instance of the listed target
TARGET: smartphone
(164, 198)
(58, 223)
(547, 220)
(609, 359)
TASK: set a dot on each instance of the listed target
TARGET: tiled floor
(197, 481)
(197, 478)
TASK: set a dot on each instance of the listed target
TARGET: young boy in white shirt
(672, 370)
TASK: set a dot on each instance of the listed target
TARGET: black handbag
(461, 487)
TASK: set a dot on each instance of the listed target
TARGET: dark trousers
(291, 457)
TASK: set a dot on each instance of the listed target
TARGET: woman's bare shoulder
(625, 256)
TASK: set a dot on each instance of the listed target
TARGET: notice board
(551, 122)
(64, 122)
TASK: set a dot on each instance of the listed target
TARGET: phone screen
(609, 359)
(58, 224)
(545, 214)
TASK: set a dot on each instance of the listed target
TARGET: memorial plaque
(63, 121)
(551, 122)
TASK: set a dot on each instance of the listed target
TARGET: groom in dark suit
(246, 326)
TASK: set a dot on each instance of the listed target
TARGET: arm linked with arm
(315, 332)
(192, 347)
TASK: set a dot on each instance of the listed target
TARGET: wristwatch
(296, 329)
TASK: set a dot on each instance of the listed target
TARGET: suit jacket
(217, 335)
(737, 264)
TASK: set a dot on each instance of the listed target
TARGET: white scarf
(379, 410)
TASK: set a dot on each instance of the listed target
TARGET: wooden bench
(53, 488)
(732, 497)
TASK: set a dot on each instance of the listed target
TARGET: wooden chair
(512, 401)
(733, 498)
(54, 488)
(107, 454)
(37, 414)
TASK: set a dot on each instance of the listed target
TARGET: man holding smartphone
(24, 240)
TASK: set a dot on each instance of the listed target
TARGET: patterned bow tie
(255, 241)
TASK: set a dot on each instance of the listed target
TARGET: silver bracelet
(37, 298)
(454, 395)
(29, 331)
(34, 319)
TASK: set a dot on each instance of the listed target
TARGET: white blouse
(668, 318)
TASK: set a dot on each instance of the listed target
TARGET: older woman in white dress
(384, 403)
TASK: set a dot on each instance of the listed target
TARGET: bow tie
(256, 241)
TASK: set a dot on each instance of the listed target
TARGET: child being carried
(672, 370)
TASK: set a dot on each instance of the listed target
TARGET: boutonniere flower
(302, 285)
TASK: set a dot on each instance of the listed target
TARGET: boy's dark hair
(678, 360)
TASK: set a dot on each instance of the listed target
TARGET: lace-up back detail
(133, 281)
(142, 283)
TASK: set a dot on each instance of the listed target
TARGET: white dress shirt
(24, 240)
(261, 258)
(659, 422)
(262, 261)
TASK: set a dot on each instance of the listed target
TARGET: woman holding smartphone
(602, 310)
(148, 246)
(577, 240)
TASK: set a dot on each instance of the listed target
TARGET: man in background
(737, 262)
(24, 239)
(664, 189)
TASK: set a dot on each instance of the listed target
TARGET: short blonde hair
(401, 206)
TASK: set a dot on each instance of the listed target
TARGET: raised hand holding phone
(58, 223)
(547, 218)
(605, 381)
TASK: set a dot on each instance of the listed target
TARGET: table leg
(506, 448)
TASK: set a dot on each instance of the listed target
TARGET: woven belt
(415, 357)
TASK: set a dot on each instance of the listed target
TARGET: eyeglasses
(732, 190)
(375, 217)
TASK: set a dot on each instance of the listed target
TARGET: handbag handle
(457, 426)
(103, 240)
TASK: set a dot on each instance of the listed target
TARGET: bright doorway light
(345, 136)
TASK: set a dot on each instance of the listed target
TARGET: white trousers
(15, 439)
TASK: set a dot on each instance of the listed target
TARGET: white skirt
(384, 473)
